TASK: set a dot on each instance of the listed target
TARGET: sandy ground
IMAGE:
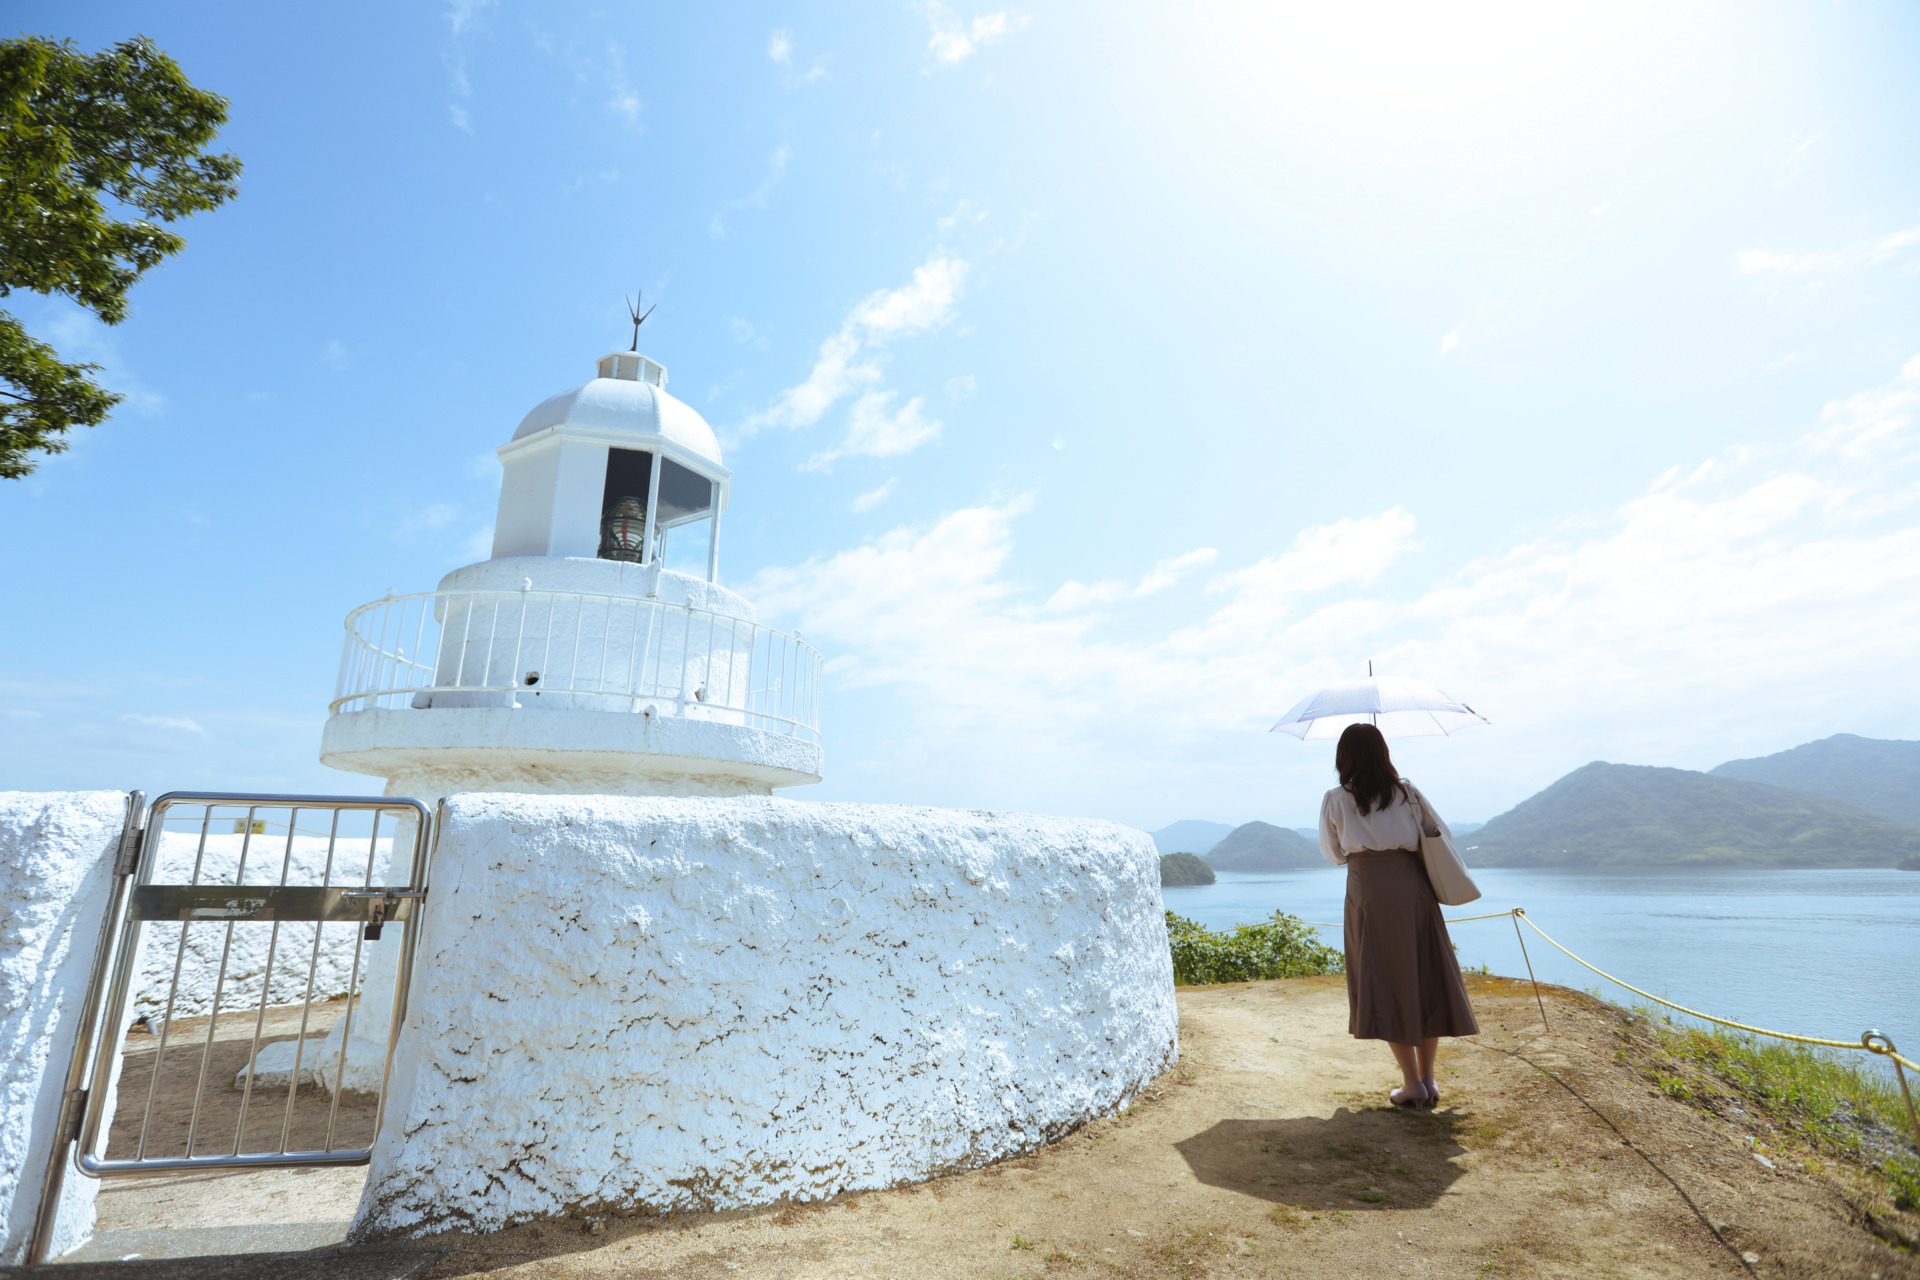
(168, 1112)
(1270, 1152)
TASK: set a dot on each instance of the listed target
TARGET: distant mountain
(1621, 815)
(1189, 835)
(1261, 846)
(1879, 774)
(1179, 870)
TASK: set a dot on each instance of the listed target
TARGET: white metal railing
(576, 651)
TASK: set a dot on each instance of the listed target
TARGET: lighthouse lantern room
(611, 469)
(578, 658)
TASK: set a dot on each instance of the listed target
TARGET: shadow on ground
(329, 1264)
(1372, 1159)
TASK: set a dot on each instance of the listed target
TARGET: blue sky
(1098, 379)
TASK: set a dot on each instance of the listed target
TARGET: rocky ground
(1271, 1152)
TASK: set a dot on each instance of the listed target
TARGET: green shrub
(1834, 1101)
(1281, 946)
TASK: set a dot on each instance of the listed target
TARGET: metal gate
(248, 987)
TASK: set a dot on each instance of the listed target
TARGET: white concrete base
(365, 1064)
(445, 750)
(635, 1005)
(273, 1065)
(56, 873)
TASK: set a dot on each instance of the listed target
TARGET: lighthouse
(595, 651)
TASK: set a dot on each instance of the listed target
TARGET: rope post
(1517, 913)
(1867, 1039)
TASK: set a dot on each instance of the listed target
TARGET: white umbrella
(1400, 706)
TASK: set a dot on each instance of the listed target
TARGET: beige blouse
(1345, 831)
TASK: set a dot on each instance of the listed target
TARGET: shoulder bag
(1448, 875)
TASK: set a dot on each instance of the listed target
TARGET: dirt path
(166, 1112)
(1271, 1152)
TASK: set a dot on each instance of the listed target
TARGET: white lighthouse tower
(575, 660)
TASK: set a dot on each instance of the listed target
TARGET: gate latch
(379, 903)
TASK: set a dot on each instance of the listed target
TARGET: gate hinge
(76, 1112)
(129, 855)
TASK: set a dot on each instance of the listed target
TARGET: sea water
(1820, 953)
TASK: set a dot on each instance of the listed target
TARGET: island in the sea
(1183, 870)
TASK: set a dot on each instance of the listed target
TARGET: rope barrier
(1872, 1040)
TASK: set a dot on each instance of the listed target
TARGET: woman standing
(1403, 983)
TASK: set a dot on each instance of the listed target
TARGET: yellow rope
(1725, 1022)
(1521, 912)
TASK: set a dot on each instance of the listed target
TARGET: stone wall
(56, 874)
(629, 1005)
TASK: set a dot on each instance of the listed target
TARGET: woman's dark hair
(1366, 768)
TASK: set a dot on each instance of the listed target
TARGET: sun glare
(1486, 84)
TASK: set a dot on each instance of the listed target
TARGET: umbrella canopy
(1400, 706)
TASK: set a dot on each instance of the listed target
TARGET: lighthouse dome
(636, 405)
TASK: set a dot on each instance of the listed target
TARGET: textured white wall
(56, 864)
(634, 1004)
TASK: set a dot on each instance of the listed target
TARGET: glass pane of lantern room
(623, 505)
(686, 506)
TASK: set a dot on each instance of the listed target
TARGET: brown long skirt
(1403, 983)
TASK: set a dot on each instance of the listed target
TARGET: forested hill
(1261, 846)
(1879, 774)
(1621, 815)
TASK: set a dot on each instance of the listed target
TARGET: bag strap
(1419, 804)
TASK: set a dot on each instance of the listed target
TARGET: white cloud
(462, 16)
(835, 373)
(915, 307)
(479, 544)
(178, 723)
(335, 354)
(429, 519)
(1826, 262)
(876, 430)
(1450, 342)
(461, 13)
(961, 388)
(776, 165)
(1763, 597)
(780, 53)
(953, 40)
(874, 497)
(1074, 595)
(78, 334)
(622, 99)
(844, 365)
(966, 213)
